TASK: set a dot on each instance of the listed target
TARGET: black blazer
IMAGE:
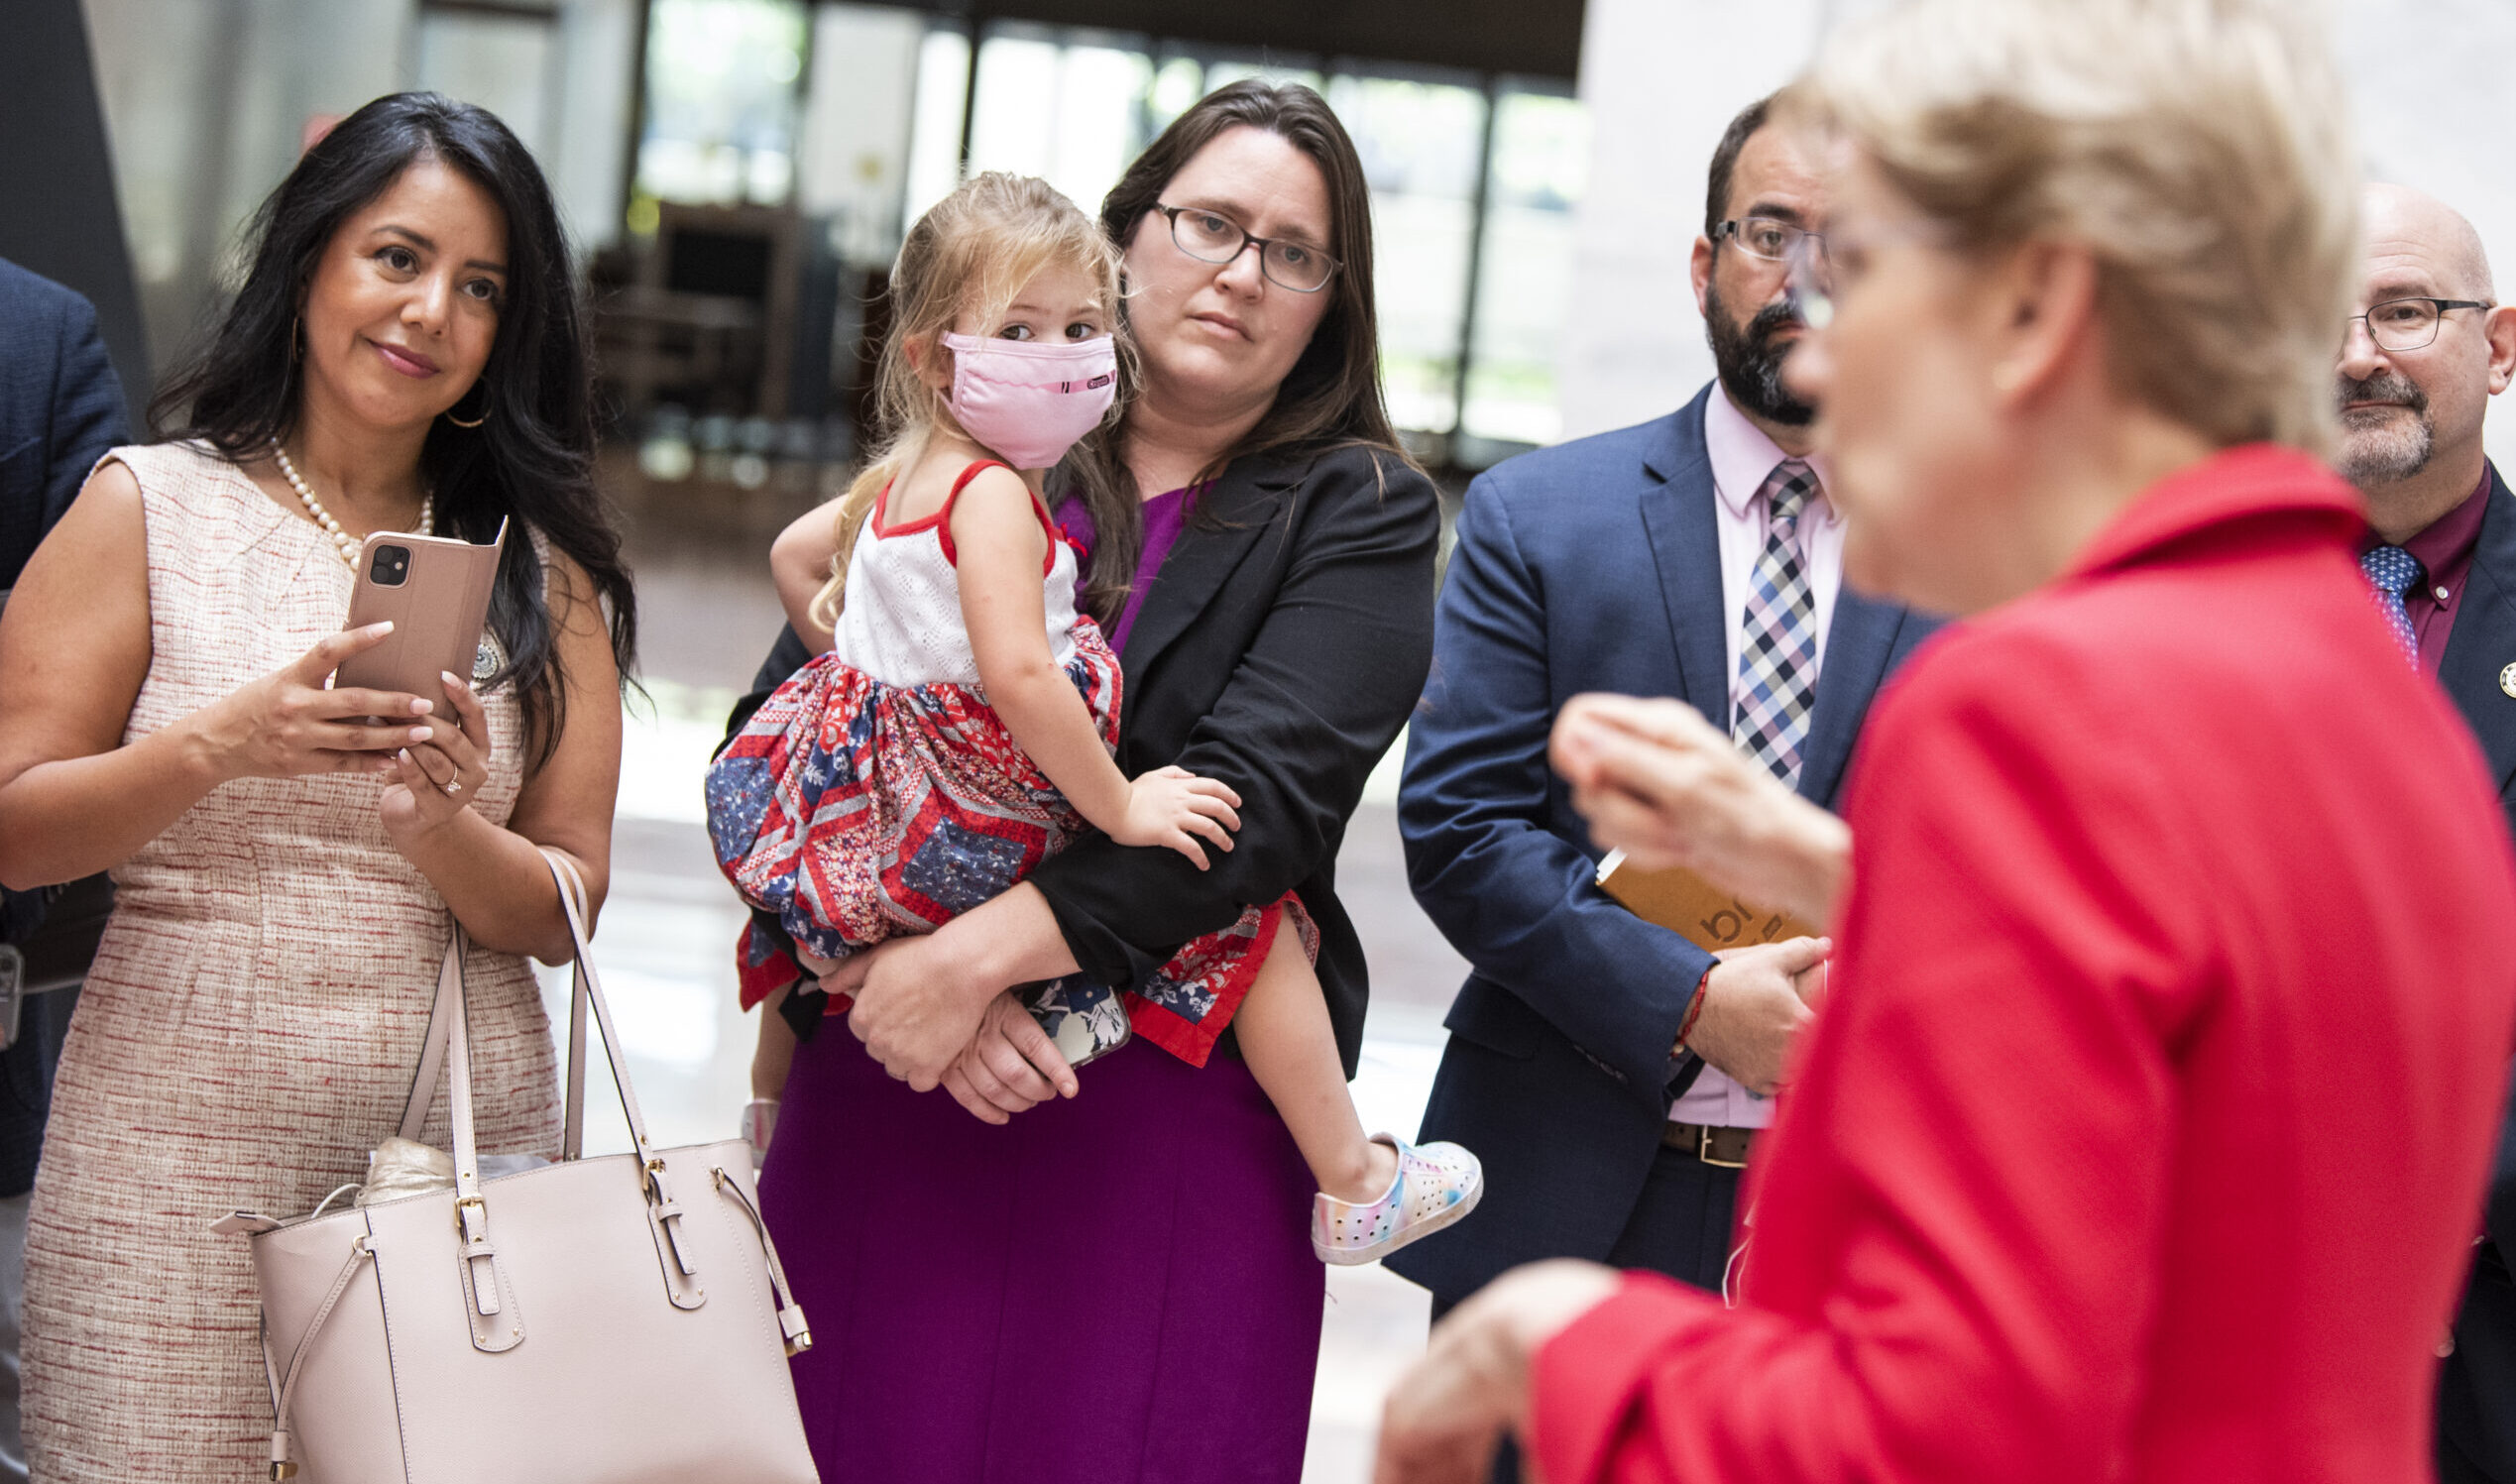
(1594, 565)
(1280, 648)
(2476, 1392)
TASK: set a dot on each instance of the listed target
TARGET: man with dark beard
(2427, 351)
(1611, 1073)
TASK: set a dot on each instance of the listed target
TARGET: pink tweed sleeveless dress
(250, 1027)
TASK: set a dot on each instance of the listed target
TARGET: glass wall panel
(1541, 155)
(942, 90)
(503, 62)
(1177, 85)
(1072, 114)
(1232, 69)
(851, 160)
(1420, 144)
(1100, 117)
(721, 102)
(1077, 107)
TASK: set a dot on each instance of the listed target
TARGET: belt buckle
(1703, 1150)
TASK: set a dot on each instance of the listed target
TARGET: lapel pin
(2507, 680)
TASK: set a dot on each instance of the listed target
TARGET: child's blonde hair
(972, 253)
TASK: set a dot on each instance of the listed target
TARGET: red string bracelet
(1694, 1008)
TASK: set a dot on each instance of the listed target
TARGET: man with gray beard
(2428, 349)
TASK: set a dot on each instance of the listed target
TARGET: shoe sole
(1451, 1215)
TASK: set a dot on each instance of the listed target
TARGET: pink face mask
(1030, 400)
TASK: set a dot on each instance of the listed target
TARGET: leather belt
(1725, 1147)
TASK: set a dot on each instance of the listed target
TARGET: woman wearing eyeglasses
(2141, 1136)
(1120, 1285)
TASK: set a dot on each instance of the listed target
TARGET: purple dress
(1116, 1288)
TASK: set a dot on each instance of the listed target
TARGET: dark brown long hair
(532, 456)
(1332, 397)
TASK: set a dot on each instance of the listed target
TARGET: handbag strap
(587, 995)
(585, 1003)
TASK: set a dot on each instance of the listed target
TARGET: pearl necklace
(347, 545)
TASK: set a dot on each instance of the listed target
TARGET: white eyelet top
(902, 623)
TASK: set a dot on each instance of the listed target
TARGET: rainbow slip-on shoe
(1437, 1185)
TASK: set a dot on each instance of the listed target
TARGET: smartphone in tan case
(436, 591)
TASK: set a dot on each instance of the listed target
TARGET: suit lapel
(1678, 518)
(1857, 643)
(2481, 648)
(1222, 531)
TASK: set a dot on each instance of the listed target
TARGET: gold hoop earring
(449, 417)
(297, 329)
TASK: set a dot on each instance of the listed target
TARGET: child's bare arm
(800, 561)
(1000, 549)
(775, 1052)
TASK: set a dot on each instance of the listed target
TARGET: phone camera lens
(392, 566)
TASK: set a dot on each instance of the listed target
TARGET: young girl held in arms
(958, 724)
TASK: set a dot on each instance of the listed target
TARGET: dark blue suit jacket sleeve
(1516, 898)
(61, 409)
(87, 410)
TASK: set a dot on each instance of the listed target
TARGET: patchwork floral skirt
(852, 811)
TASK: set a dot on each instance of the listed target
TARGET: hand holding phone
(443, 773)
(288, 724)
(435, 590)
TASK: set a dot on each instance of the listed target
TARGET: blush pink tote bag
(621, 1319)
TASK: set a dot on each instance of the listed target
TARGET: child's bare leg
(1291, 1048)
(775, 1051)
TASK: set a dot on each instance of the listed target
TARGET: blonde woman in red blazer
(2141, 1136)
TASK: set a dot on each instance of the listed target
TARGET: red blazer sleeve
(1939, 1289)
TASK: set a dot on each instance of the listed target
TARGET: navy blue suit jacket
(61, 409)
(1592, 566)
(2476, 1395)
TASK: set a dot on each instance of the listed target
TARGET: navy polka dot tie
(2392, 571)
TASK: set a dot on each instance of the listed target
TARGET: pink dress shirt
(1742, 458)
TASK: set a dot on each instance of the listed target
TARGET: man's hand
(1754, 1004)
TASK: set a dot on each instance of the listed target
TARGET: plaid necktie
(1778, 648)
(2390, 570)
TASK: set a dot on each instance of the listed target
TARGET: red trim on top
(882, 505)
(942, 519)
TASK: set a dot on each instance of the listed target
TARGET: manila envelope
(1693, 908)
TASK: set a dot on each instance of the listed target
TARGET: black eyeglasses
(1210, 237)
(1767, 237)
(2407, 323)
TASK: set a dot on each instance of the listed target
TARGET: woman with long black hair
(405, 355)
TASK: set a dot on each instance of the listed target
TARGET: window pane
(1419, 143)
(1100, 115)
(499, 63)
(1177, 86)
(1223, 73)
(943, 81)
(721, 106)
(1014, 126)
(1542, 154)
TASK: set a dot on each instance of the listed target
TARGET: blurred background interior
(737, 174)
